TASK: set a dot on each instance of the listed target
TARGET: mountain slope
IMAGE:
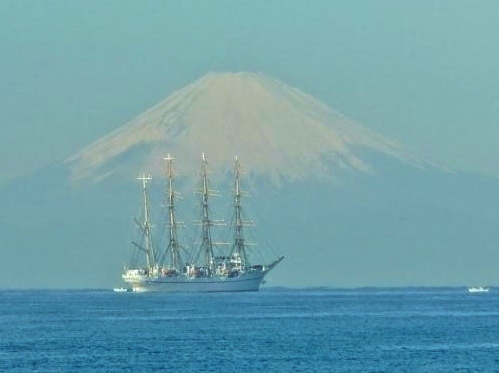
(403, 227)
(278, 131)
(399, 221)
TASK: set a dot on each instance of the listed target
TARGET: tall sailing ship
(205, 269)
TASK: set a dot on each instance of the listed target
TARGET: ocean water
(369, 330)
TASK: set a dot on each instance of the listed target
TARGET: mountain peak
(277, 131)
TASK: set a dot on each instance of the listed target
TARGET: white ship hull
(182, 284)
(479, 289)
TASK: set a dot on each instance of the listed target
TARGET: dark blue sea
(367, 330)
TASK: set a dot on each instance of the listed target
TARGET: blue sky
(425, 73)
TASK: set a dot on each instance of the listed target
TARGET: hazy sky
(423, 72)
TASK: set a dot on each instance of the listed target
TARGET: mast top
(170, 160)
(237, 169)
(144, 179)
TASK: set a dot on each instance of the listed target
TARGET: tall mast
(239, 245)
(173, 246)
(206, 244)
(146, 225)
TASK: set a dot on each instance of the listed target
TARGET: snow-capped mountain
(278, 131)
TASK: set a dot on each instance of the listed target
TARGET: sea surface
(274, 330)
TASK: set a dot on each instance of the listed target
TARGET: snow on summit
(276, 130)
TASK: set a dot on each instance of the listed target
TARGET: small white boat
(122, 290)
(478, 289)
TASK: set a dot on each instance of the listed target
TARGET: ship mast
(146, 226)
(173, 246)
(206, 223)
(239, 245)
